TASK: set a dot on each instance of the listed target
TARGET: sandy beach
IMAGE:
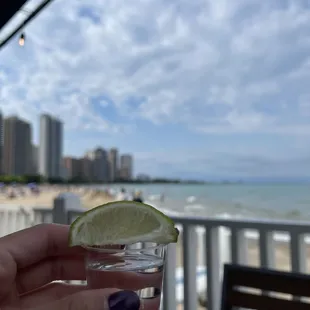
(24, 197)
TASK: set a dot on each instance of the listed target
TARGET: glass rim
(111, 251)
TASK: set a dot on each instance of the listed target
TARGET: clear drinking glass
(136, 267)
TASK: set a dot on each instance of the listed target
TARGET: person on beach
(31, 259)
(137, 197)
(122, 195)
(11, 194)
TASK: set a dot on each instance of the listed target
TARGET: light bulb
(21, 40)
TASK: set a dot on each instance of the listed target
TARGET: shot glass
(137, 267)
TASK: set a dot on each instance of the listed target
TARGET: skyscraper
(113, 164)
(34, 160)
(100, 165)
(87, 169)
(1, 143)
(126, 168)
(73, 167)
(17, 148)
(50, 148)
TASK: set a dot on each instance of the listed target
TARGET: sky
(198, 89)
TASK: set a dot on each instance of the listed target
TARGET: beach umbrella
(32, 185)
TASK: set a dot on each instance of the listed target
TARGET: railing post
(238, 246)
(298, 253)
(201, 241)
(59, 211)
(213, 268)
(62, 204)
(224, 247)
(266, 249)
(169, 295)
(190, 263)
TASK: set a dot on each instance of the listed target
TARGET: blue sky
(202, 89)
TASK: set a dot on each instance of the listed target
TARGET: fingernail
(124, 300)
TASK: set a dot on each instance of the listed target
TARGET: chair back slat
(261, 302)
(239, 282)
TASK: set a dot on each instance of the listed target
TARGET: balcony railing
(205, 244)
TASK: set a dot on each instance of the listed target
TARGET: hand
(32, 258)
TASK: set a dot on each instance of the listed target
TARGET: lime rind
(125, 222)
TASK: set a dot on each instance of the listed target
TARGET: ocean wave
(191, 199)
(154, 197)
(194, 207)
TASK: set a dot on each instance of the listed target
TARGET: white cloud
(214, 66)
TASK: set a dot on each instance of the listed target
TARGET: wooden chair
(239, 282)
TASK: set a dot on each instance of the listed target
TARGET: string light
(21, 40)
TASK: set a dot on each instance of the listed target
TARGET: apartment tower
(51, 147)
(113, 164)
(126, 167)
(17, 147)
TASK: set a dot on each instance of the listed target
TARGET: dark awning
(9, 10)
(7, 13)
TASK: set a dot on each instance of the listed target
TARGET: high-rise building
(113, 164)
(126, 167)
(87, 169)
(100, 165)
(17, 147)
(51, 146)
(34, 159)
(1, 143)
(73, 167)
(90, 156)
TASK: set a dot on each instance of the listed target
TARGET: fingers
(106, 299)
(49, 293)
(31, 245)
(54, 292)
(48, 270)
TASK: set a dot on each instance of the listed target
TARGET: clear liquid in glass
(140, 271)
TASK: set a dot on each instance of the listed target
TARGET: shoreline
(44, 198)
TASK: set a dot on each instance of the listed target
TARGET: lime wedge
(122, 222)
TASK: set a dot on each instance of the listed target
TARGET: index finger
(33, 244)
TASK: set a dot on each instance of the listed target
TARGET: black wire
(26, 21)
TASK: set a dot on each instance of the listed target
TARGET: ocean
(279, 201)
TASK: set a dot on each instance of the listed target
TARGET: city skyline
(95, 166)
(20, 156)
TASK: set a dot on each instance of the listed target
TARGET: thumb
(104, 299)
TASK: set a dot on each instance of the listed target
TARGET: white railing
(237, 232)
(14, 218)
(206, 235)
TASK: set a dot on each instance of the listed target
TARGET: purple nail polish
(124, 300)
